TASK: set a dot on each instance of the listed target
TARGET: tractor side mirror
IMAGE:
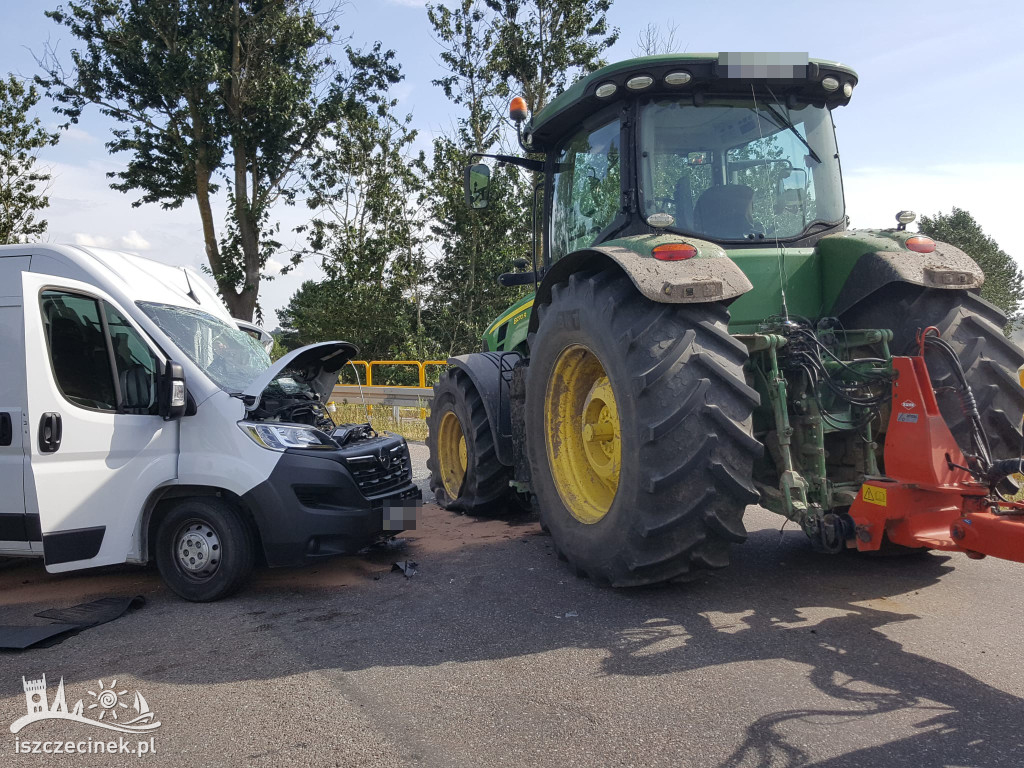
(520, 264)
(173, 395)
(478, 179)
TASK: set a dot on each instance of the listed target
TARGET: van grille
(375, 476)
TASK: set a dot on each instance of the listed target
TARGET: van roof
(127, 277)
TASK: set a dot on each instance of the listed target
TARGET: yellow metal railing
(419, 365)
(421, 368)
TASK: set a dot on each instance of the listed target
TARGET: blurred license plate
(779, 65)
(400, 515)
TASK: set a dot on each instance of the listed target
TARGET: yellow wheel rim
(451, 454)
(584, 444)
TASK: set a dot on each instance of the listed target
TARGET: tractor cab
(734, 149)
(715, 152)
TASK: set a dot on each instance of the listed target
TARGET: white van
(138, 423)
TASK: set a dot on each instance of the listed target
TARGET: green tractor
(704, 331)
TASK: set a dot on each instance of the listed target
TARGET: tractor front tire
(465, 474)
(639, 432)
(974, 329)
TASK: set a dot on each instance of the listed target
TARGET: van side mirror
(173, 395)
(478, 177)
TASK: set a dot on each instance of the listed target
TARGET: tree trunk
(245, 218)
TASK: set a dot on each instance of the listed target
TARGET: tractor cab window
(728, 171)
(587, 188)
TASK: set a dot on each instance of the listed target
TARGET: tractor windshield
(728, 171)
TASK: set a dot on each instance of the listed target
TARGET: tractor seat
(725, 211)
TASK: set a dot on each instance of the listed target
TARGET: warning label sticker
(872, 494)
(910, 418)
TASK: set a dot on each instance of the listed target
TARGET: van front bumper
(311, 508)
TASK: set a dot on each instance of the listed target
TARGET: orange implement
(924, 500)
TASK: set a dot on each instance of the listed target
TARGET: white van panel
(215, 452)
(11, 268)
(96, 484)
(14, 531)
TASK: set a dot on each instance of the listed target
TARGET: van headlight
(280, 437)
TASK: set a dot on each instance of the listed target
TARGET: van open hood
(318, 365)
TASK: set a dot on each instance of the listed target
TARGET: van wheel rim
(197, 550)
(584, 443)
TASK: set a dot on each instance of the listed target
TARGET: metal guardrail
(388, 395)
(399, 397)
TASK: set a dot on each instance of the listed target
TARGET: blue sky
(935, 122)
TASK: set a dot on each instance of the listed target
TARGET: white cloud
(133, 241)
(274, 266)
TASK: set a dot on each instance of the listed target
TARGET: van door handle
(6, 429)
(50, 429)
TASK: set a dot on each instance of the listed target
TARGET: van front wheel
(204, 549)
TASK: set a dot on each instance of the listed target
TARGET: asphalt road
(492, 654)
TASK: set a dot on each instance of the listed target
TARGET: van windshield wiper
(785, 123)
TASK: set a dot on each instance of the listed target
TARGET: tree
(23, 186)
(363, 187)
(1004, 281)
(654, 39)
(232, 92)
(474, 246)
(542, 44)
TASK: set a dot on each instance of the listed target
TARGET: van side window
(78, 350)
(81, 358)
(135, 363)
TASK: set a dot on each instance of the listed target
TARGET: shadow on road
(497, 598)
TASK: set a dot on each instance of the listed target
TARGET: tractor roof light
(674, 252)
(847, 90)
(678, 78)
(517, 109)
(639, 82)
(604, 90)
(920, 244)
(830, 83)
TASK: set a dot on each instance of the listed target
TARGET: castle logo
(110, 710)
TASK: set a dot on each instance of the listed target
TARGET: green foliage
(23, 185)
(542, 44)
(364, 186)
(232, 92)
(1004, 282)
(492, 49)
(379, 207)
(475, 247)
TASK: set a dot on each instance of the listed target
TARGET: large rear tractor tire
(974, 328)
(465, 474)
(639, 432)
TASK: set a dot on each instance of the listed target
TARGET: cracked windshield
(230, 357)
(726, 171)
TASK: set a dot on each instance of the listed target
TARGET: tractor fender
(694, 281)
(946, 267)
(491, 374)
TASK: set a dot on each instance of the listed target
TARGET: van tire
(193, 534)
